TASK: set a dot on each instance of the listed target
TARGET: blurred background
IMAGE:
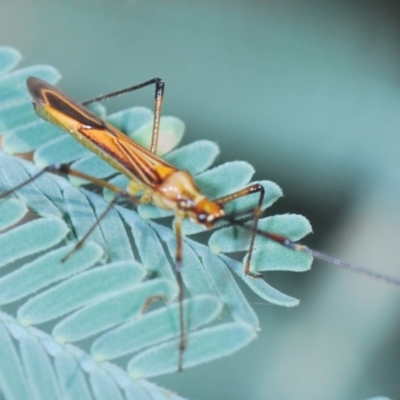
(309, 93)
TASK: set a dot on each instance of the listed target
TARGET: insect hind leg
(158, 101)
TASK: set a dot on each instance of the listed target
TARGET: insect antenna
(290, 244)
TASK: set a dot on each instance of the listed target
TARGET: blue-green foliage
(99, 293)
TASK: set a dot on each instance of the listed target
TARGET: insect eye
(202, 217)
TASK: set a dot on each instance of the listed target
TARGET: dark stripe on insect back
(36, 88)
(140, 166)
(128, 160)
(73, 110)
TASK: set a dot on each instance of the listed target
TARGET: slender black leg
(64, 169)
(255, 188)
(158, 101)
(178, 261)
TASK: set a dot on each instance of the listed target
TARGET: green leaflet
(11, 211)
(9, 59)
(150, 329)
(201, 347)
(100, 292)
(30, 238)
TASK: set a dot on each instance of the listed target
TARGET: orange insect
(152, 180)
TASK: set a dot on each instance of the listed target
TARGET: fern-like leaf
(96, 298)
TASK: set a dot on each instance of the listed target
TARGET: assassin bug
(152, 180)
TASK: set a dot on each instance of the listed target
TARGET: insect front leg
(255, 188)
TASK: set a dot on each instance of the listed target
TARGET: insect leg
(27, 182)
(64, 169)
(255, 188)
(80, 242)
(178, 264)
(290, 244)
(158, 101)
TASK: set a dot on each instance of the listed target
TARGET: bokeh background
(309, 93)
